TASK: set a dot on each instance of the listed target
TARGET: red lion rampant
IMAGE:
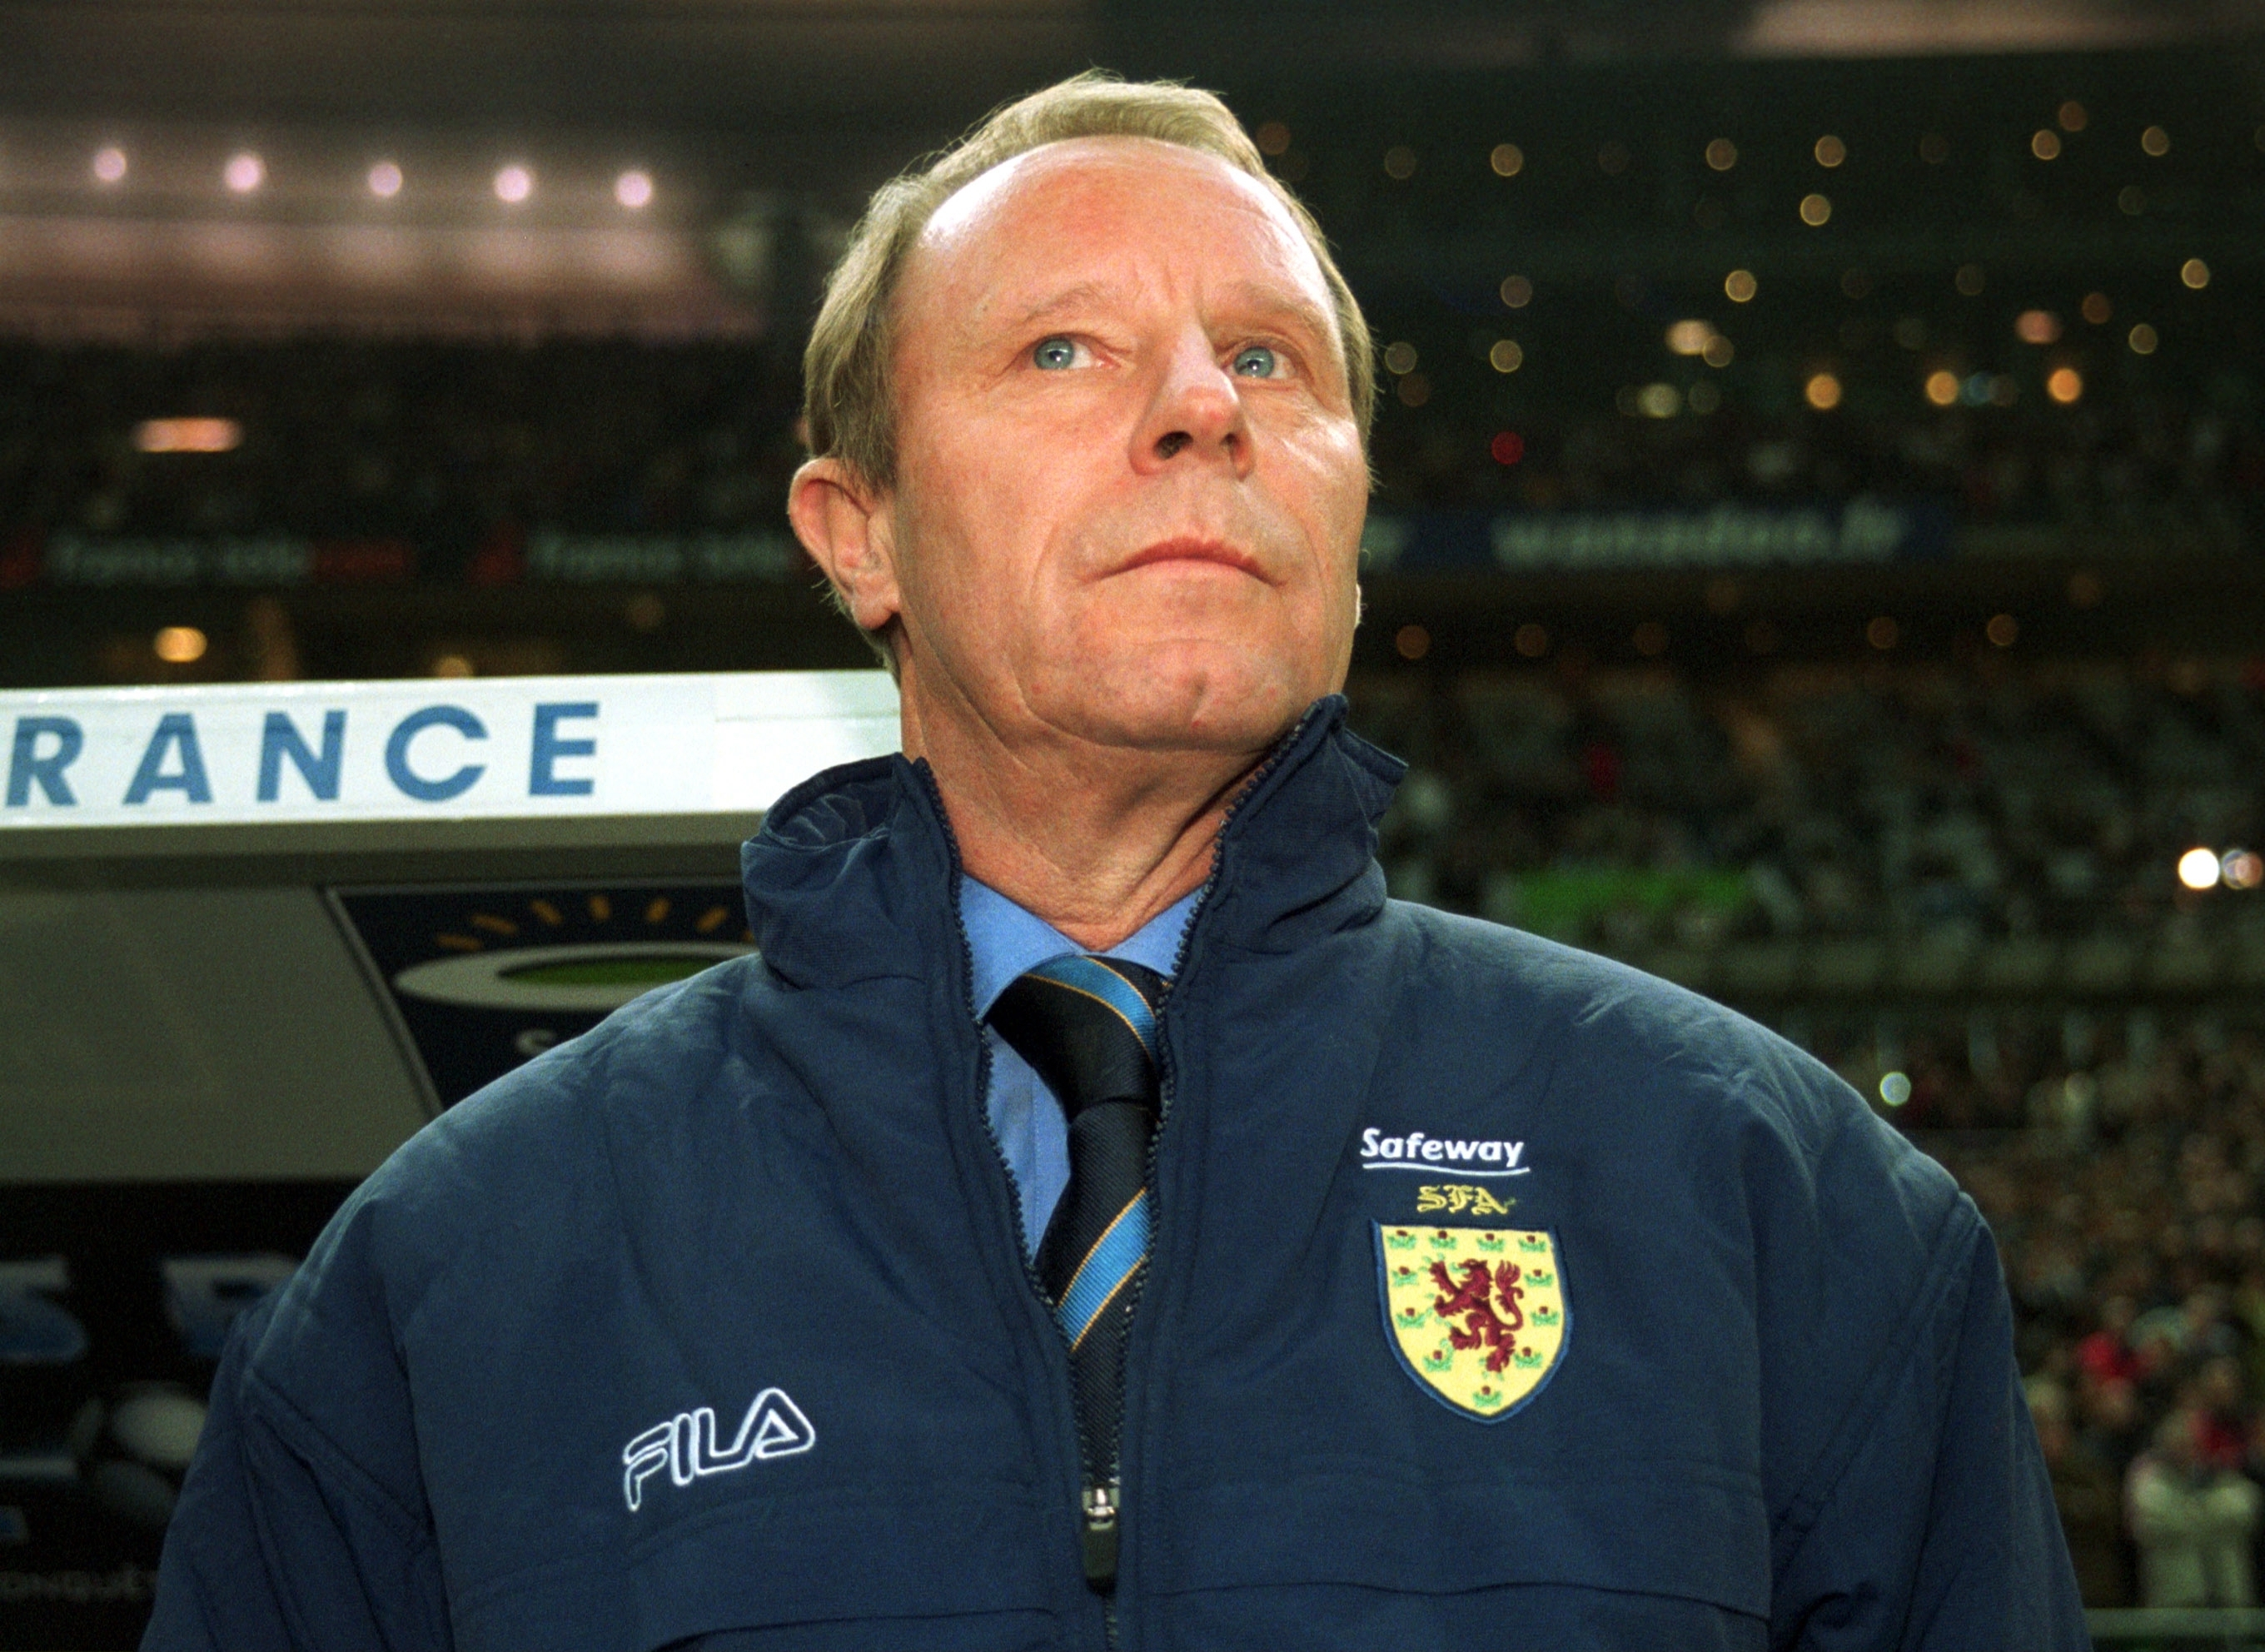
(1473, 1298)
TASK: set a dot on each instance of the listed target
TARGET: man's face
(1130, 483)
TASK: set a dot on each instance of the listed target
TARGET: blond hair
(846, 407)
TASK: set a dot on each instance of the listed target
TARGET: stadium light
(514, 184)
(634, 189)
(385, 180)
(179, 645)
(109, 164)
(2242, 868)
(244, 172)
(188, 435)
(2199, 868)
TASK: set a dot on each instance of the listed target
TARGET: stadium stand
(1928, 808)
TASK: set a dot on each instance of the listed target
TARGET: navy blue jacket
(714, 1325)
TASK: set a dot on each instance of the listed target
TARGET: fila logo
(685, 1445)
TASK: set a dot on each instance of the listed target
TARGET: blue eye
(1054, 353)
(1255, 361)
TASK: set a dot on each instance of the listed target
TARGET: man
(1098, 1217)
(2192, 1520)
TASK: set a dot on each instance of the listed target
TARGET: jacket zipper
(1103, 1511)
(1096, 1505)
(1100, 1507)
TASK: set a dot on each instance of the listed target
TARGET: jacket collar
(851, 877)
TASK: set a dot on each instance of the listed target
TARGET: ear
(850, 532)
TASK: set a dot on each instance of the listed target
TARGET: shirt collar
(1005, 940)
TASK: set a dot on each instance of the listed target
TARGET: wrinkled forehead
(1065, 201)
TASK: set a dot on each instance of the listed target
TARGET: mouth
(1218, 552)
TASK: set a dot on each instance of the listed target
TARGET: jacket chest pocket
(1611, 1559)
(861, 1566)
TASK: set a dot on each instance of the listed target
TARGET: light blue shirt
(1004, 939)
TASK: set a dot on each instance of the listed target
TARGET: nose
(1196, 412)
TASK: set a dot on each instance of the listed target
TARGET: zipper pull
(1100, 1538)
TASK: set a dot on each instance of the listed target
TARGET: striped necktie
(1088, 1027)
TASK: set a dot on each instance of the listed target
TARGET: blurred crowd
(2155, 464)
(1951, 806)
(438, 442)
(2133, 1235)
(435, 442)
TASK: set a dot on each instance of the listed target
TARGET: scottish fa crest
(1478, 1315)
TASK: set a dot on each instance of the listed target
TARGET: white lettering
(251, 753)
(685, 1445)
(1380, 1152)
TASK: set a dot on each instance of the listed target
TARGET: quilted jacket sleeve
(1943, 1427)
(279, 1541)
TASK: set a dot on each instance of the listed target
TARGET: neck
(1094, 840)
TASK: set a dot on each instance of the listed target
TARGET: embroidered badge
(1478, 1315)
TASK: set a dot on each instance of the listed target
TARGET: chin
(1185, 697)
